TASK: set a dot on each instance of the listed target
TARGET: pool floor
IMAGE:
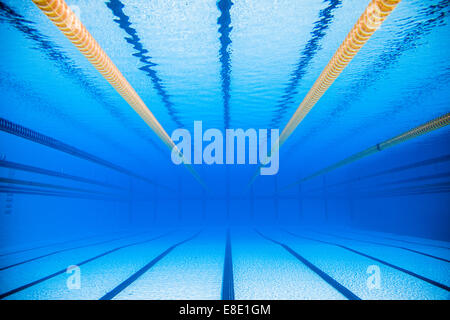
(263, 263)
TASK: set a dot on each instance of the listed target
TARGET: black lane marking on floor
(418, 276)
(114, 292)
(336, 285)
(228, 280)
(385, 245)
(67, 249)
(33, 283)
(400, 240)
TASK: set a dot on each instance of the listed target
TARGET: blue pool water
(85, 182)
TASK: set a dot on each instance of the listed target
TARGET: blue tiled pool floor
(267, 263)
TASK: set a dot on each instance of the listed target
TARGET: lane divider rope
(372, 18)
(376, 12)
(70, 25)
(429, 126)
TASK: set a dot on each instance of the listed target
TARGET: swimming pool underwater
(354, 206)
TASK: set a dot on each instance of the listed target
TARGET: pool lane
(264, 270)
(36, 250)
(37, 256)
(395, 238)
(442, 256)
(34, 246)
(352, 269)
(16, 254)
(191, 271)
(422, 266)
(47, 278)
(437, 249)
(325, 277)
(228, 277)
